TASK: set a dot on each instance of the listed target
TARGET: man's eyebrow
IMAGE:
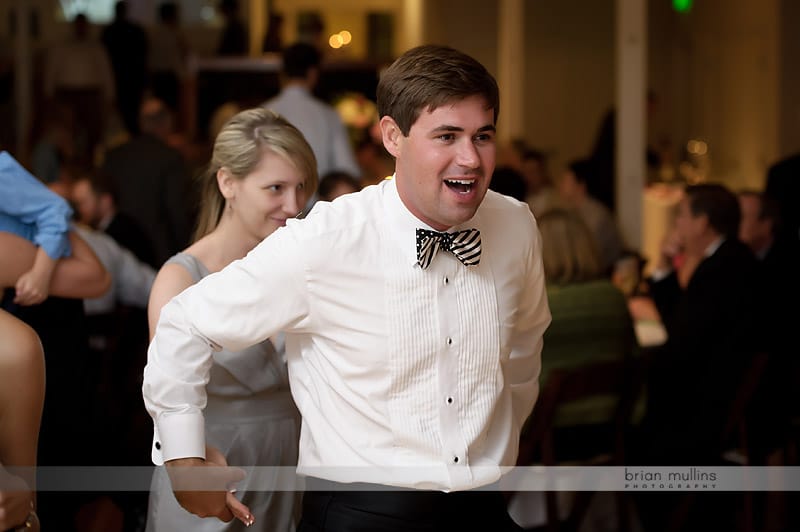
(449, 128)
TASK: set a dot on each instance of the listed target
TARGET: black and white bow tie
(465, 245)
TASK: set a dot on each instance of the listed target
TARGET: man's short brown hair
(429, 76)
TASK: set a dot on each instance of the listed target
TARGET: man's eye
(446, 137)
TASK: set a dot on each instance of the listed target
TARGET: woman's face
(265, 198)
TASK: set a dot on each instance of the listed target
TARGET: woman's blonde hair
(239, 147)
(569, 251)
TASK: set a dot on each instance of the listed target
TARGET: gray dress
(251, 418)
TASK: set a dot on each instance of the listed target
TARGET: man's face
(689, 227)
(445, 163)
(753, 231)
(86, 202)
(568, 187)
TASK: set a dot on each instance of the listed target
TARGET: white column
(23, 73)
(631, 86)
(511, 69)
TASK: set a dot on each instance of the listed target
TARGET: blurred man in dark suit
(152, 182)
(783, 185)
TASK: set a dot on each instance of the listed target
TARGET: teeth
(460, 181)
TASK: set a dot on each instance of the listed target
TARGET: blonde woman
(261, 173)
(591, 322)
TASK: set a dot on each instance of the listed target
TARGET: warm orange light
(335, 41)
(346, 37)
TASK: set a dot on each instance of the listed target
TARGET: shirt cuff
(179, 436)
(56, 246)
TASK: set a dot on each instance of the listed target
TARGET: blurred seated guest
(779, 287)
(336, 184)
(541, 193)
(21, 400)
(708, 307)
(375, 162)
(591, 322)
(510, 153)
(507, 181)
(573, 191)
(95, 200)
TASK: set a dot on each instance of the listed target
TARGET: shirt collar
(713, 247)
(403, 225)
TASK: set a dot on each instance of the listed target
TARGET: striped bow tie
(465, 245)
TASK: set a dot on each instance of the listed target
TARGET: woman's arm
(80, 275)
(172, 279)
(21, 401)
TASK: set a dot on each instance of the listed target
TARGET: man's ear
(225, 182)
(391, 135)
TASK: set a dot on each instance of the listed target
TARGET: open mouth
(462, 186)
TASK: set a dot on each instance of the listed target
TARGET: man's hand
(206, 487)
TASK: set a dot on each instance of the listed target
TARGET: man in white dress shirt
(413, 355)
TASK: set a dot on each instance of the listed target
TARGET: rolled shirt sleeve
(245, 303)
(40, 215)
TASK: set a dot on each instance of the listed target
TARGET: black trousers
(405, 511)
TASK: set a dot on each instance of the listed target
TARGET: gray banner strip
(689, 478)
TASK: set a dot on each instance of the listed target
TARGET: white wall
(569, 75)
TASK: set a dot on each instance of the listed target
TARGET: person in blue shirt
(30, 210)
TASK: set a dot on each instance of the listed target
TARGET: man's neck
(298, 83)
(106, 220)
